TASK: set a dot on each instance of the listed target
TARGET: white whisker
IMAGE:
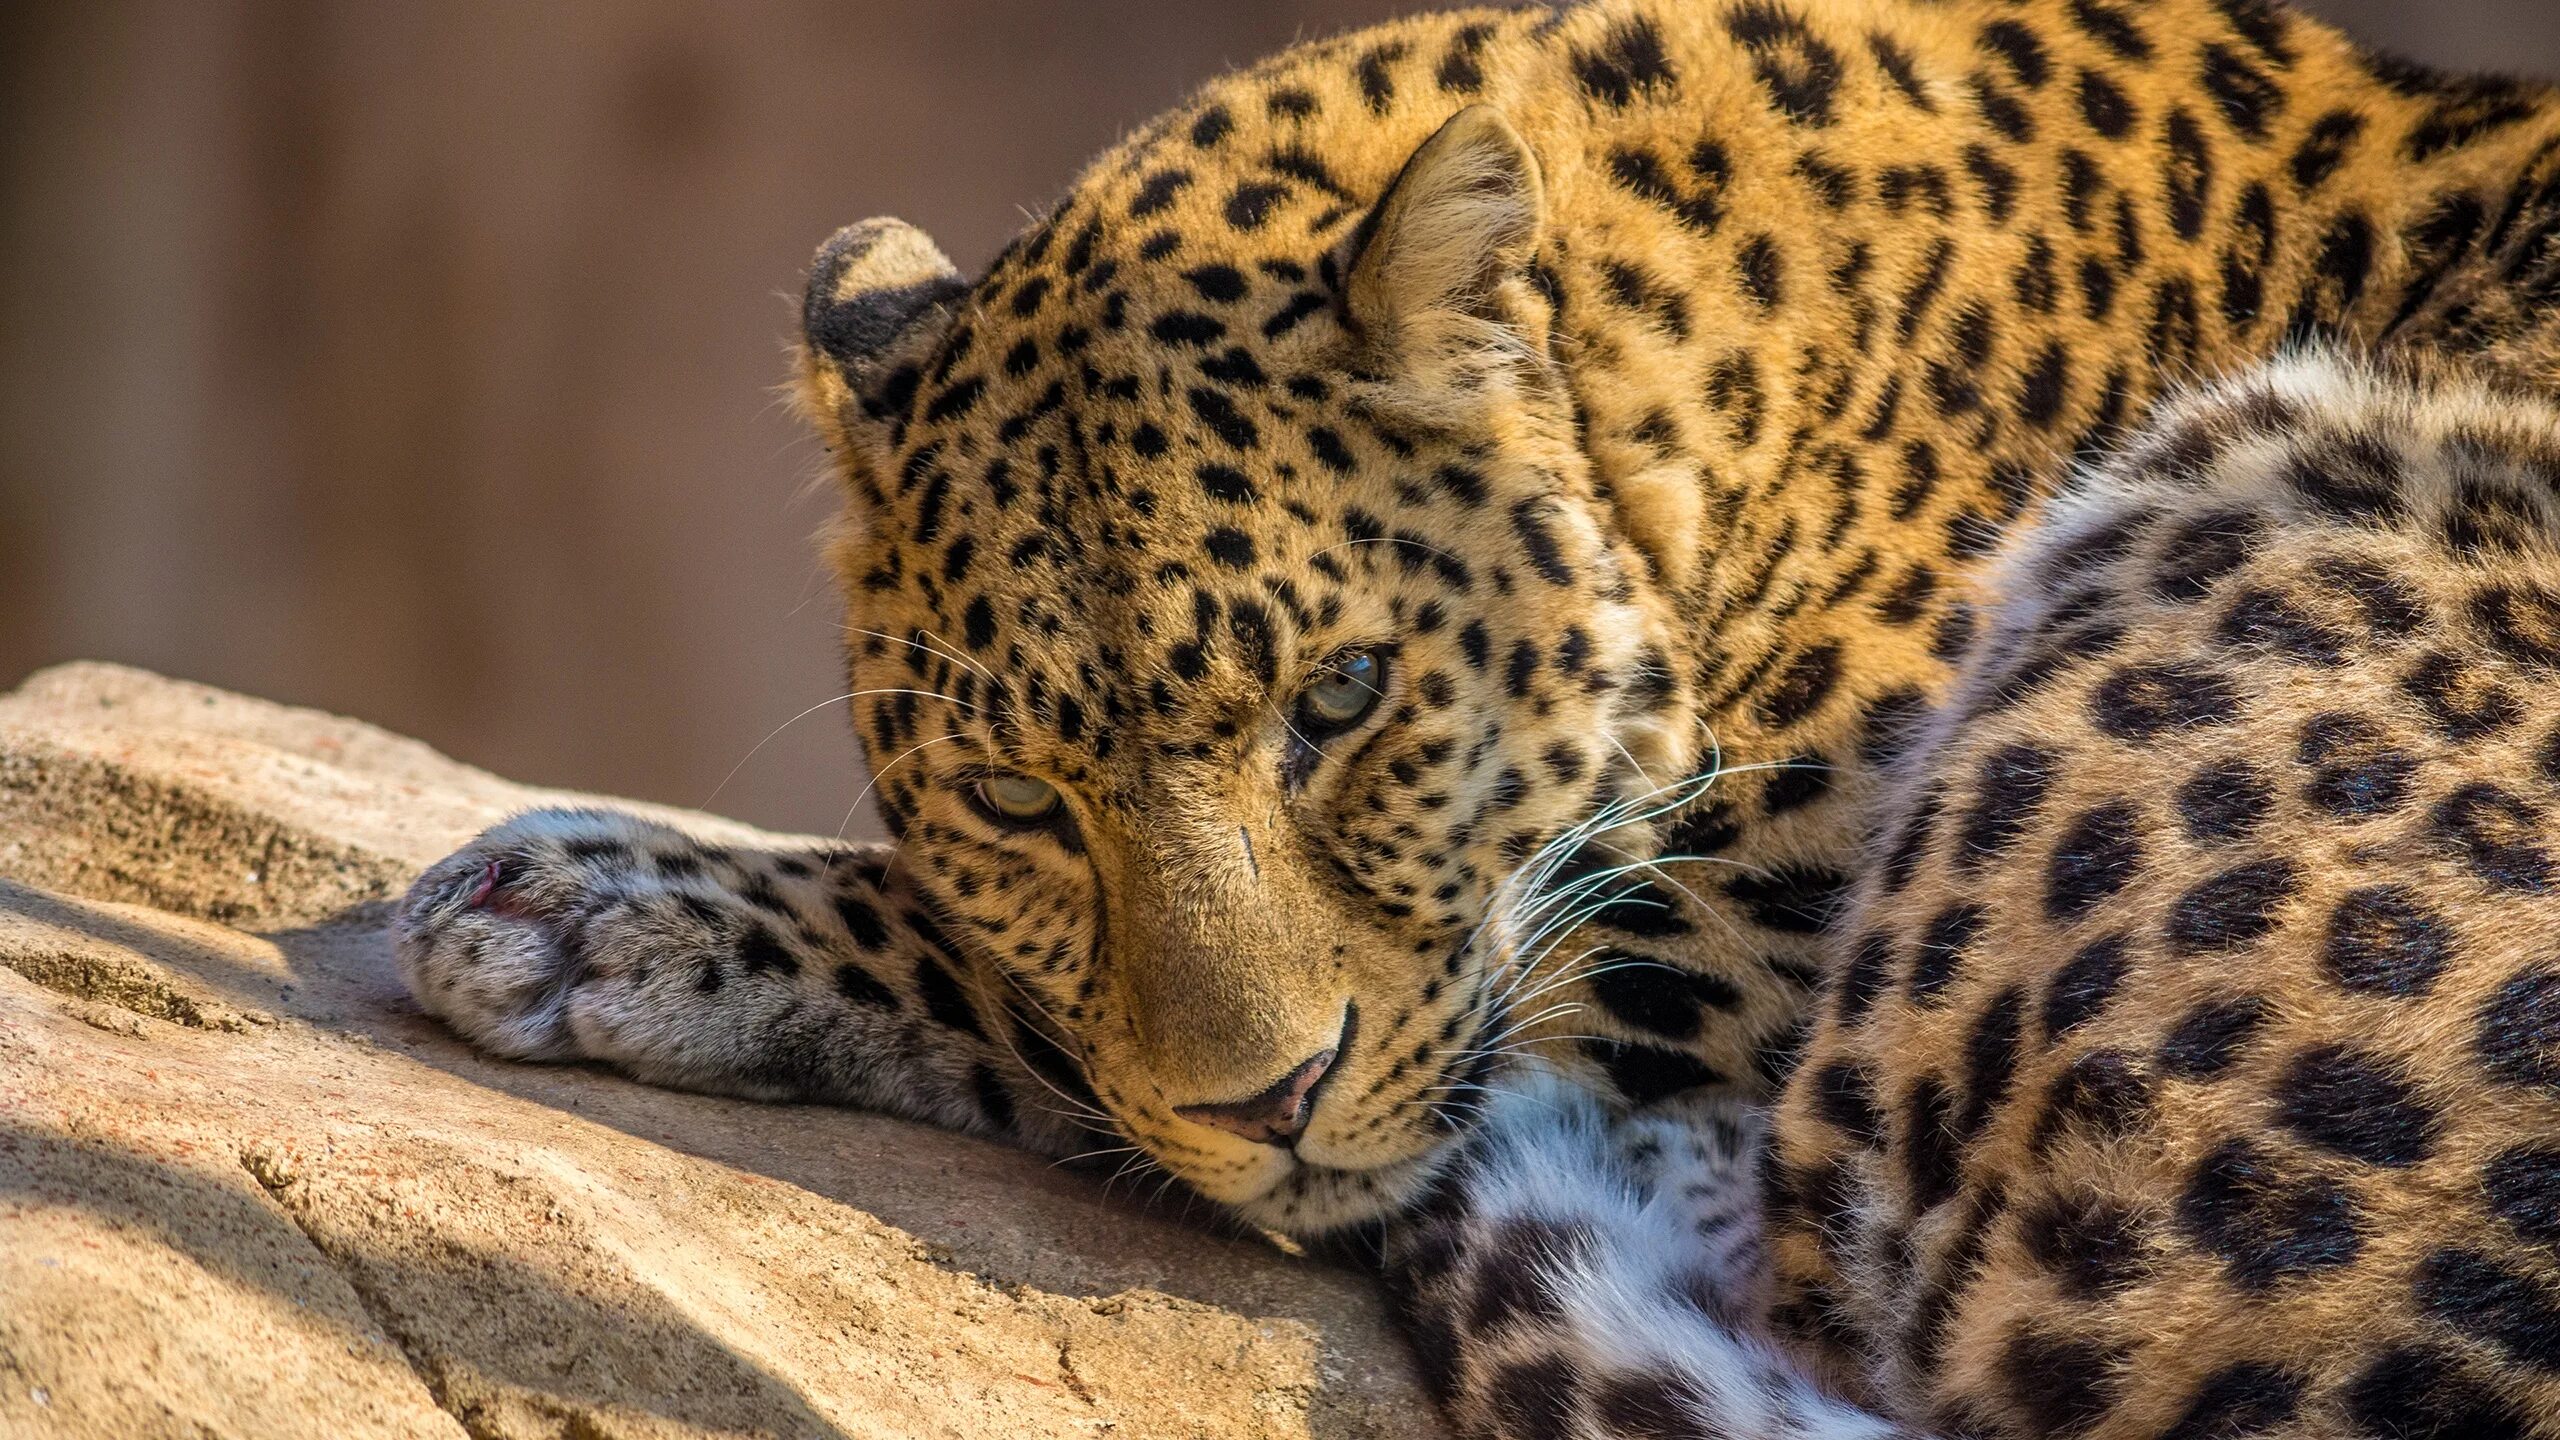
(1095, 1154)
(885, 769)
(812, 710)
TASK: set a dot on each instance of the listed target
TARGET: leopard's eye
(1018, 798)
(1351, 686)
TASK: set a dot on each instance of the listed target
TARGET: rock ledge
(247, 1190)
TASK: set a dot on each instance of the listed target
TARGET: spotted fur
(1672, 400)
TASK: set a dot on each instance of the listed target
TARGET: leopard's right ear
(880, 296)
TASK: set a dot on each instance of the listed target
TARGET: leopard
(1830, 713)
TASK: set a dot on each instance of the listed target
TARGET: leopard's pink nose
(1274, 1117)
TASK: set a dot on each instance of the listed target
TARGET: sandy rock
(248, 1190)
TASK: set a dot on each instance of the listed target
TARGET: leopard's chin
(1311, 1201)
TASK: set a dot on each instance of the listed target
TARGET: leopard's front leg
(808, 975)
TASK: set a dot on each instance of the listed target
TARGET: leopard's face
(1230, 679)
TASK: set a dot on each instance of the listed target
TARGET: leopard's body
(2130, 898)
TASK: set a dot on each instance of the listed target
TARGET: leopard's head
(1236, 630)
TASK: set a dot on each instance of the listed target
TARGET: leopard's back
(2193, 1062)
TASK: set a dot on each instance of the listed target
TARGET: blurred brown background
(418, 360)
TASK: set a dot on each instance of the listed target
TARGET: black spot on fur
(1546, 556)
(2187, 175)
(2014, 43)
(2224, 801)
(1222, 283)
(2267, 1219)
(2009, 788)
(2266, 620)
(1157, 192)
(1990, 1060)
(1211, 126)
(2351, 1103)
(1901, 69)
(1225, 483)
(2493, 1301)
(2385, 940)
(1794, 783)
(1629, 61)
(2411, 1393)
(2104, 105)
(1845, 1097)
(1648, 1405)
(1647, 1073)
(1223, 419)
(761, 951)
(1644, 175)
(2248, 99)
(2101, 1096)
(2462, 699)
(1790, 899)
(2208, 1039)
(2093, 1246)
(2233, 908)
(2061, 1385)
(1376, 75)
(1763, 271)
(2352, 482)
(2098, 854)
(1800, 72)
(1645, 910)
(2245, 1398)
(2498, 834)
(1458, 72)
(2356, 771)
(863, 923)
(2141, 702)
(1929, 1149)
(2516, 1033)
(1535, 1397)
(994, 1101)
(1911, 840)
(1229, 547)
(2000, 109)
(1889, 723)
(2106, 23)
(956, 400)
(1651, 995)
(1330, 451)
(2324, 148)
(1250, 205)
(862, 988)
(1801, 687)
(1943, 947)
(2046, 388)
(1864, 978)
(944, 1000)
(2084, 985)
(2523, 1185)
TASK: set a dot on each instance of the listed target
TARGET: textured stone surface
(246, 1189)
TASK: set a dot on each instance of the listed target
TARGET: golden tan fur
(1648, 389)
(1784, 389)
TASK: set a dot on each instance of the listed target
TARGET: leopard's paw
(492, 939)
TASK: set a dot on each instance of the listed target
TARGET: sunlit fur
(1195, 432)
(1655, 388)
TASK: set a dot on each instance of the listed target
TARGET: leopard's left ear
(880, 296)
(1439, 269)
